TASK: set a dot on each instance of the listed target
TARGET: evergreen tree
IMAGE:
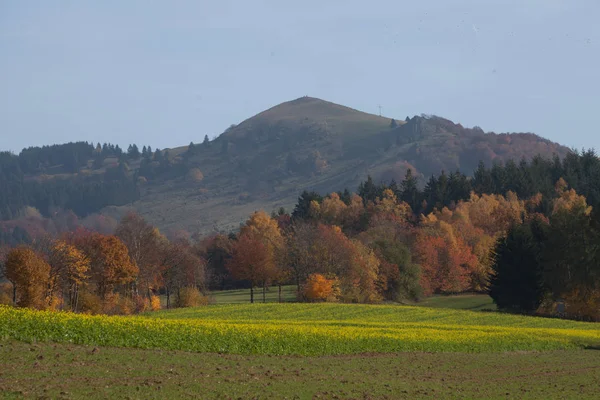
(409, 192)
(517, 281)
(301, 211)
(368, 190)
(206, 141)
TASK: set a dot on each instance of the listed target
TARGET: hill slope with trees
(262, 163)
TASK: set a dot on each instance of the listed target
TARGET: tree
(133, 152)
(517, 282)
(29, 274)
(399, 277)
(68, 271)
(302, 208)
(143, 244)
(368, 190)
(446, 260)
(251, 261)
(206, 142)
(262, 228)
(393, 124)
(110, 264)
(571, 257)
(217, 250)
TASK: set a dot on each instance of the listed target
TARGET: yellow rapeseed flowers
(303, 329)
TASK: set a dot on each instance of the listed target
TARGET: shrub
(155, 303)
(89, 303)
(190, 297)
(141, 304)
(115, 304)
(319, 288)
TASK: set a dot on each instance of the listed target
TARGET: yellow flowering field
(303, 329)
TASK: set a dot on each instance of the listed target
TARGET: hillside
(267, 160)
(262, 163)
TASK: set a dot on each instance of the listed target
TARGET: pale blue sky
(166, 73)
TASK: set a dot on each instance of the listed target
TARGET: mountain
(265, 162)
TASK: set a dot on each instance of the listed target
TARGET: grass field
(75, 372)
(239, 296)
(474, 302)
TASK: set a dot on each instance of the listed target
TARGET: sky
(165, 73)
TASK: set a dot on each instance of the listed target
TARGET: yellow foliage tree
(69, 271)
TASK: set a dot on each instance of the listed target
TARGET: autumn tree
(445, 259)
(571, 257)
(110, 263)
(29, 274)
(261, 228)
(216, 251)
(143, 244)
(69, 269)
(252, 261)
(181, 268)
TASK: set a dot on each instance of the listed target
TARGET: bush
(115, 304)
(583, 305)
(190, 297)
(155, 303)
(320, 288)
(89, 303)
(141, 304)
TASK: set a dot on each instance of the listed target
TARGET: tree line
(510, 230)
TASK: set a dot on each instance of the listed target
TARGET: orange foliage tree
(110, 264)
(29, 274)
(265, 262)
(251, 261)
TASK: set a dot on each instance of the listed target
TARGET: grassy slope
(68, 371)
(240, 296)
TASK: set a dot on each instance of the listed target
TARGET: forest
(528, 234)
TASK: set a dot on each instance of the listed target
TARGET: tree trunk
(251, 294)
(264, 293)
(168, 298)
(76, 297)
(280, 293)
(14, 294)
